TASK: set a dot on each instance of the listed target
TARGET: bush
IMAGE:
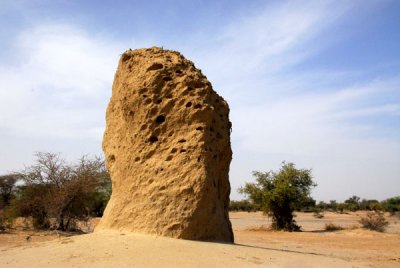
(331, 227)
(53, 189)
(318, 215)
(7, 189)
(374, 221)
(280, 193)
(243, 205)
(2, 223)
(392, 204)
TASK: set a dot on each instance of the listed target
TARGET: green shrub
(243, 205)
(280, 193)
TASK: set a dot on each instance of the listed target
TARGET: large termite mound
(167, 147)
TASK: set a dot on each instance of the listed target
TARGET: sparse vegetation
(392, 204)
(318, 214)
(7, 189)
(280, 193)
(374, 221)
(331, 227)
(55, 193)
(243, 205)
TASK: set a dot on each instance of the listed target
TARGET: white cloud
(58, 84)
(319, 119)
(56, 90)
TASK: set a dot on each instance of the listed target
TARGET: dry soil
(254, 247)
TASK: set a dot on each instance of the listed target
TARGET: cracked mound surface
(167, 147)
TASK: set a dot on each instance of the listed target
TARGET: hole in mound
(153, 139)
(178, 71)
(198, 84)
(198, 159)
(153, 111)
(169, 158)
(197, 106)
(155, 66)
(211, 129)
(183, 150)
(190, 88)
(137, 159)
(159, 101)
(111, 158)
(173, 150)
(125, 57)
(160, 119)
(182, 141)
(167, 78)
(199, 128)
(188, 104)
(148, 101)
(169, 96)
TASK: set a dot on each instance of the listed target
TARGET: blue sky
(316, 83)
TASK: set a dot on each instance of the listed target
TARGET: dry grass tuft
(261, 228)
(331, 227)
(374, 221)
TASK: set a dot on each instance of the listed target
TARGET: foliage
(392, 204)
(308, 205)
(353, 203)
(53, 189)
(7, 189)
(243, 205)
(331, 227)
(280, 193)
(374, 221)
(370, 204)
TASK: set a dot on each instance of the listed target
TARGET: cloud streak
(56, 87)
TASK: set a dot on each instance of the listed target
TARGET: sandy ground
(311, 248)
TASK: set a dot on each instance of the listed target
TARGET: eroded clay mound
(167, 147)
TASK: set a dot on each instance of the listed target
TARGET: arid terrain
(254, 246)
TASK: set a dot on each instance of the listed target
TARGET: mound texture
(167, 147)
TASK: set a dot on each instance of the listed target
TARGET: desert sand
(254, 247)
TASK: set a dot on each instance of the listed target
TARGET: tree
(392, 204)
(280, 193)
(7, 189)
(243, 205)
(353, 203)
(57, 190)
